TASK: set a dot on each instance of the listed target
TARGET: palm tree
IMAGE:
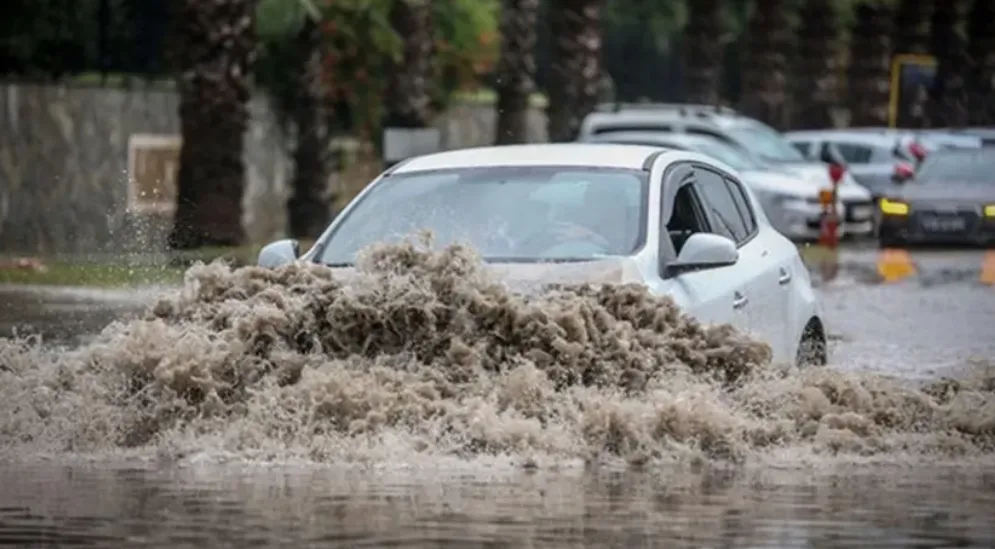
(516, 70)
(703, 51)
(575, 80)
(816, 88)
(981, 52)
(309, 208)
(948, 96)
(410, 79)
(912, 26)
(215, 49)
(870, 65)
(768, 40)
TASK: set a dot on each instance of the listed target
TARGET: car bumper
(803, 221)
(922, 227)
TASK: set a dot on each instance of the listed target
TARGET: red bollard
(829, 226)
(828, 198)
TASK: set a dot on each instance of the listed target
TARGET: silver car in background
(878, 161)
(791, 202)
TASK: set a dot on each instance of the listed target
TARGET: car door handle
(785, 277)
(739, 301)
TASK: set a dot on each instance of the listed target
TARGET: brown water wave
(424, 354)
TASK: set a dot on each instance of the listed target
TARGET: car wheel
(812, 350)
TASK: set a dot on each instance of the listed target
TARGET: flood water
(680, 465)
(257, 507)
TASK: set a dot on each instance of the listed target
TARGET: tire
(813, 349)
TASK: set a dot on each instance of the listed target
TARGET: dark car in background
(951, 200)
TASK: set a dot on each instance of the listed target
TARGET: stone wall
(64, 156)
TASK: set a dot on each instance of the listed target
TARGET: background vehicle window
(721, 206)
(854, 154)
(743, 204)
(802, 147)
(947, 166)
(715, 135)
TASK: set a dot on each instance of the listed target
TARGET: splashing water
(422, 353)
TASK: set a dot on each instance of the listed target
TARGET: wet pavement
(931, 324)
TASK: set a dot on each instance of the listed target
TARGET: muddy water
(423, 405)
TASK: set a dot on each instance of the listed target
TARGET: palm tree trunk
(912, 27)
(981, 53)
(912, 36)
(768, 39)
(408, 94)
(816, 87)
(516, 71)
(216, 49)
(948, 99)
(703, 52)
(309, 208)
(868, 77)
(575, 80)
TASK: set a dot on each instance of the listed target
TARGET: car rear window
(958, 166)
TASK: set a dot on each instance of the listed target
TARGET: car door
(782, 255)
(757, 273)
(712, 296)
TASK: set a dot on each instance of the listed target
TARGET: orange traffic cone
(988, 268)
(894, 265)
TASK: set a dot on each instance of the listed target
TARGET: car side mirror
(281, 252)
(702, 251)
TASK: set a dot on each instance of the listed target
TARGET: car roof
(636, 119)
(605, 155)
(666, 139)
(864, 138)
(982, 152)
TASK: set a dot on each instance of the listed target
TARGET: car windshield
(958, 166)
(732, 156)
(508, 214)
(766, 143)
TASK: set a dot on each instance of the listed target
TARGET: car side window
(743, 205)
(802, 147)
(721, 206)
(688, 217)
(854, 154)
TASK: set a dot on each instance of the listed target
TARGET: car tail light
(904, 171)
(917, 150)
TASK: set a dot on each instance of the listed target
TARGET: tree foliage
(359, 44)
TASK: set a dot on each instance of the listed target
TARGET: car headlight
(894, 207)
(990, 210)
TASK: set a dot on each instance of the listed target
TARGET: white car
(789, 197)
(752, 136)
(679, 222)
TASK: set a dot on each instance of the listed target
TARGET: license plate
(943, 224)
(861, 213)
